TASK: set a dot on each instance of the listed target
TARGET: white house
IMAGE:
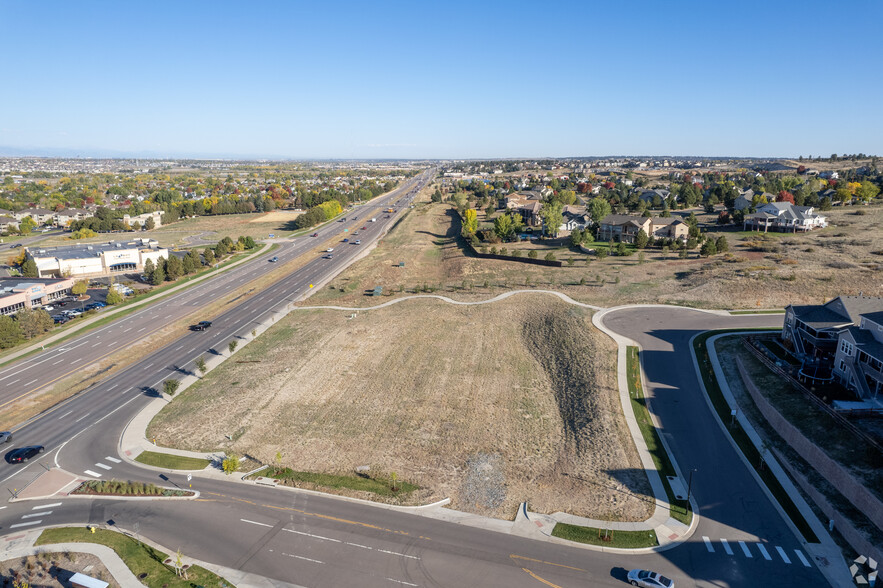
(786, 217)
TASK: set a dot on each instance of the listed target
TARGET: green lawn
(651, 436)
(379, 486)
(741, 437)
(172, 462)
(593, 536)
(140, 558)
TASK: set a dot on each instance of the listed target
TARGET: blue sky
(442, 80)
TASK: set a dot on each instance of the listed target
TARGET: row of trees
(318, 214)
(25, 324)
(171, 268)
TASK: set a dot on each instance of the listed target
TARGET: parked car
(23, 454)
(201, 326)
(60, 319)
(99, 304)
(48, 307)
(5, 436)
(648, 579)
(72, 313)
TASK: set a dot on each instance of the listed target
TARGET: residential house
(623, 227)
(64, 217)
(142, 219)
(745, 200)
(575, 217)
(785, 217)
(846, 333)
(7, 223)
(669, 228)
(649, 195)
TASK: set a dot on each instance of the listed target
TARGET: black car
(23, 454)
(201, 326)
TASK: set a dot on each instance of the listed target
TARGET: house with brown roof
(623, 228)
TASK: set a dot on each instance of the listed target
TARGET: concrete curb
(826, 548)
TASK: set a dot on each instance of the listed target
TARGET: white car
(329, 250)
(648, 579)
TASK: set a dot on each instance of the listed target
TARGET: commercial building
(96, 259)
(19, 293)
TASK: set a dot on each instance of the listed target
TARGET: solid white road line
(745, 549)
(801, 558)
(36, 514)
(113, 459)
(25, 524)
(45, 505)
(708, 544)
(763, 552)
(783, 554)
(727, 547)
(102, 466)
(313, 536)
(401, 582)
(255, 523)
(93, 474)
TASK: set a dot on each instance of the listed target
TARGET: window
(846, 347)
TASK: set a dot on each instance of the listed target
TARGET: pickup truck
(201, 326)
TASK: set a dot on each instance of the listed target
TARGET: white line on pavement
(783, 554)
(25, 524)
(745, 549)
(113, 459)
(708, 544)
(401, 582)
(36, 514)
(13, 381)
(45, 505)
(93, 474)
(102, 466)
(58, 362)
(81, 418)
(399, 554)
(65, 414)
(255, 523)
(763, 552)
(142, 329)
(76, 360)
(127, 330)
(314, 536)
(31, 382)
(303, 558)
(97, 344)
(801, 557)
(353, 544)
(727, 547)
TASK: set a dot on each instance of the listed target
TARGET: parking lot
(70, 307)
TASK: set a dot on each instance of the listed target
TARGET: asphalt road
(315, 540)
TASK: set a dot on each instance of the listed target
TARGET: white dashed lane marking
(102, 466)
(763, 552)
(113, 459)
(783, 555)
(727, 547)
(801, 557)
(745, 549)
(708, 544)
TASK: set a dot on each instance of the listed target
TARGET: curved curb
(496, 298)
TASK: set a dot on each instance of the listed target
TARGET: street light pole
(690, 487)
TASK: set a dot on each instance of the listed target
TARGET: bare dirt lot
(759, 271)
(52, 570)
(489, 405)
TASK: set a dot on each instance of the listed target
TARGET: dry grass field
(489, 405)
(759, 271)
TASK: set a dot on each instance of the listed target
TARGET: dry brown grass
(524, 387)
(800, 269)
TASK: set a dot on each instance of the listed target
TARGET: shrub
(550, 256)
(532, 254)
(230, 464)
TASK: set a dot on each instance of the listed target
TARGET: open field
(488, 405)
(845, 258)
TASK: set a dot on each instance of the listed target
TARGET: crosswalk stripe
(727, 547)
(745, 549)
(763, 552)
(45, 505)
(25, 524)
(783, 554)
(113, 459)
(802, 558)
(708, 544)
(93, 474)
(37, 514)
(102, 466)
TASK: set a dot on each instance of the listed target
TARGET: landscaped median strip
(143, 560)
(606, 537)
(741, 438)
(171, 462)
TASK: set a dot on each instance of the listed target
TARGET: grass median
(382, 486)
(743, 441)
(172, 462)
(606, 537)
(651, 435)
(144, 561)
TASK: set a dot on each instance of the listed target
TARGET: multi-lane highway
(315, 540)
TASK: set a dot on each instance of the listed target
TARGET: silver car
(648, 579)
(5, 436)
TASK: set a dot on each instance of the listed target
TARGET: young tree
(209, 257)
(79, 288)
(722, 245)
(708, 248)
(470, 222)
(27, 225)
(532, 254)
(174, 268)
(149, 224)
(10, 333)
(552, 217)
(170, 387)
(136, 226)
(200, 364)
(598, 209)
(114, 297)
(641, 239)
(187, 266)
(221, 249)
(550, 256)
(230, 464)
(600, 254)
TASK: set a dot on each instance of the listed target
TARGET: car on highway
(346, 240)
(648, 579)
(274, 259)
(201, 326)
(23, 454)
(329, 256)
(364, 228)
(358, 241)
(17, 245)
(5, 436)
(329, 250)
(314, 235)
